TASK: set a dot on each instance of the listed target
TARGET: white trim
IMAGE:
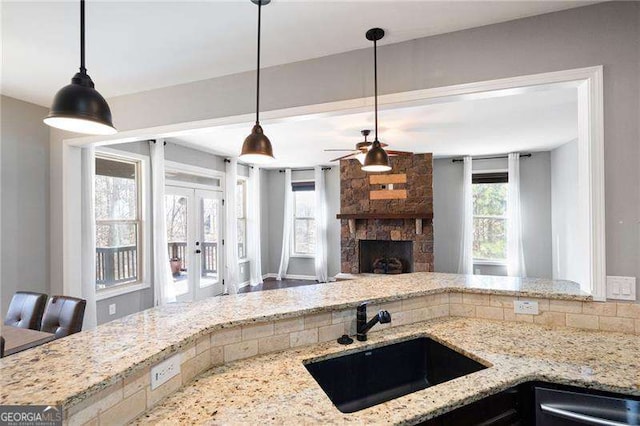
(244, 284)
(144, 244)
(480, 172)
(291, 276)
(120, 290)
(588, 80)
(481, 262)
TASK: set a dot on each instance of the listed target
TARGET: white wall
(24, 168)
(535, 190)
(569, 248)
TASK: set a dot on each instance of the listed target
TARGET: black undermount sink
(370, 377)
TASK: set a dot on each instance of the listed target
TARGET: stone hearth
(393, 206)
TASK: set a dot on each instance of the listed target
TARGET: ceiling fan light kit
(376, 159)
(79, 107)
(257, 148)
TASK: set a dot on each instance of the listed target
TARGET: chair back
(25, 310)
(63, 315)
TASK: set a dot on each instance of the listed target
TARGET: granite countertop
(69, 370)
(277, 389)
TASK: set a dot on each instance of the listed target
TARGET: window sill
(303, 256)
(489, 263)
(118, 291)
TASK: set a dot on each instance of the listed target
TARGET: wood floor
(272, 284)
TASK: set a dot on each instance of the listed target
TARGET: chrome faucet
(362, 326)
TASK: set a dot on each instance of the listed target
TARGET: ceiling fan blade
(338, 150)
(398, 153)
(344, 157)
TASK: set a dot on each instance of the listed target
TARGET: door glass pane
(176, 207)
(210, 242)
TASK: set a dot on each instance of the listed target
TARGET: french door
(194, 236)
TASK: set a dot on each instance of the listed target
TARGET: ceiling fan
(362, 148)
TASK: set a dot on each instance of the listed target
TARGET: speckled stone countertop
(277, 389)
(69, 370)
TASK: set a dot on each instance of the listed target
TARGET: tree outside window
(241, 210)
(304, 223)
(490, 217)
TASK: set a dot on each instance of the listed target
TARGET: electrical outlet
(112, 309)
(525, 307)
(161, 373)
(621, 288)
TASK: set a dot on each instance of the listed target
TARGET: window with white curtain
(304, 222)
(241, 210)
(118, 222)
(490, 217)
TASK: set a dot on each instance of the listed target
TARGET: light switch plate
(161, 373)
(529, 307)
(621, 288)
(112, 309)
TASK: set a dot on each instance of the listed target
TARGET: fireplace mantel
(424, 215)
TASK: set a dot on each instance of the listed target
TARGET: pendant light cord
(258, 70)
(83, 70)
(375, 84)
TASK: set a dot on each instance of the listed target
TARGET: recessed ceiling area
(532, 119)
(137, 46)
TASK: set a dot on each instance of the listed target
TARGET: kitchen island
(103, 375)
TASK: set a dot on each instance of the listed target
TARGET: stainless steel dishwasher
(555, 407)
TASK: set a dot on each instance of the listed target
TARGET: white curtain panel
(231, 227)
(287, 226)
(321, 226)
(515, 252)
(162, 278)
(254, 227)
(88, 258)
(465, 264)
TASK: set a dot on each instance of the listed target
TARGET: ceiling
(539, 118)
(138, 46)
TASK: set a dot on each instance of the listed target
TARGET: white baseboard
(291, 276)
(244, 284)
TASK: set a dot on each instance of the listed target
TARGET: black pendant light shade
(79, 107)
(256, 148)
(376, 159)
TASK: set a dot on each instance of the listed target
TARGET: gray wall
(535, 187)
(568, 247)
(139, 300)
(273, 203)
(603, 34)
(24, 168)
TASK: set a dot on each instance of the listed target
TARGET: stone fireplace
(387, 216)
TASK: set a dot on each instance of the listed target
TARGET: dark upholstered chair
(25, 310)
(63, 316)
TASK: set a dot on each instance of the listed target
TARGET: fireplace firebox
(386, 257)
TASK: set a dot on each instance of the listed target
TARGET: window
(118, 223)
(304, 223)
(490, 217)
(241, 211)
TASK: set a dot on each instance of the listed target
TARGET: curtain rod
(226, 160)
(460, 160)
(304, 170)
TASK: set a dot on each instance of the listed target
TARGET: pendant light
(79, 107)
(376, 159)
(256, 148)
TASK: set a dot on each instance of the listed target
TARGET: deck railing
(117, 265)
